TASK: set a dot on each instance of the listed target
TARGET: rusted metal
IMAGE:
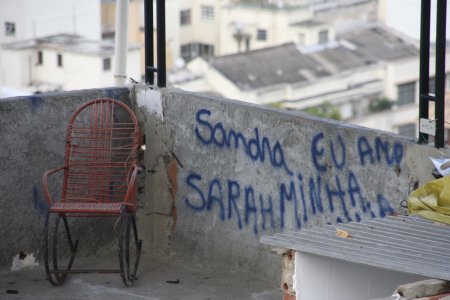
(99, 180)
(288, 270)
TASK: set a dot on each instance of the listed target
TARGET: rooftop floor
(151, 284)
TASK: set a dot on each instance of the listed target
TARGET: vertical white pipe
(121, 42)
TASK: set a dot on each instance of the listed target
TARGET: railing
(426, 126)
(150, 69)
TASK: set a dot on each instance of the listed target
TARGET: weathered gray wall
(32, 140)
(209, 198)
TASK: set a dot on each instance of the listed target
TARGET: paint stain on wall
(38, 201)
(35, 102)
(172, 173)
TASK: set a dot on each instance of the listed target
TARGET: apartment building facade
(28, 19)
(365, 71)
(62, 62)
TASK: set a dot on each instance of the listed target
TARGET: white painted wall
(79, 71)
(250, 19)
(83, 71)
(311, 35)
(200, 30)
(46, 17)
(228, 17)
(396, 73)
(390, 120)
(404, 16)
(407, 70)
(349, 91)
(15, 68)
(339, 82)
(339, 89)
(402, 72)
(323, 278)
(173, 26)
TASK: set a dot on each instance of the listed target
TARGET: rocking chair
(99, 180)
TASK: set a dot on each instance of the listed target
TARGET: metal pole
(441, 22)
(149, 47)
(121, 42)
(161, 41)
(424, 65)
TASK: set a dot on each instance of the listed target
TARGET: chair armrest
(45, 183)
(130, 197)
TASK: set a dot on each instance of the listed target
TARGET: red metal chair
(99, 180)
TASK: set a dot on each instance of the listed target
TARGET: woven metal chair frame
(99, 180)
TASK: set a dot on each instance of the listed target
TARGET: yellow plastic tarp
(432, 201)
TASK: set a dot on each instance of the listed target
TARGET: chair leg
(73, 246)
(127, 223)
(54, 277)
(138, 244)
(47, 268)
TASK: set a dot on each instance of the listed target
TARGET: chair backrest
(101, 148)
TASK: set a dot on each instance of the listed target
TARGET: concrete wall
(32, 139)
(221, 173)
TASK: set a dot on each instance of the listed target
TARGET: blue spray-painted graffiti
(318, 153)
(256, 148)
(39, 202)
(340, 196)
(35, 102)
(379, 152)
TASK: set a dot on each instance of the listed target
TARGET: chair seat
(86, 207)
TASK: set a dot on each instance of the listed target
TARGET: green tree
(380, 104)
(325, 110)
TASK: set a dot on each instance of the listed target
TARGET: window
(106, 64)
(407, 130)
(185, 17)
(261, 35)
(59, 60)
(191, 51)
(207, 13)
(10, 29)
(40, 58)
(301, 39)
(323, 36)
(206, 50)
(188, 52)
(406, 93)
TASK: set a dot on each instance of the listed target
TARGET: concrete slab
(151, 284)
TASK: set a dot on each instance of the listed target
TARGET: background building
(62, 62)
(27, 19)
(404, 16)
(61, 48)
